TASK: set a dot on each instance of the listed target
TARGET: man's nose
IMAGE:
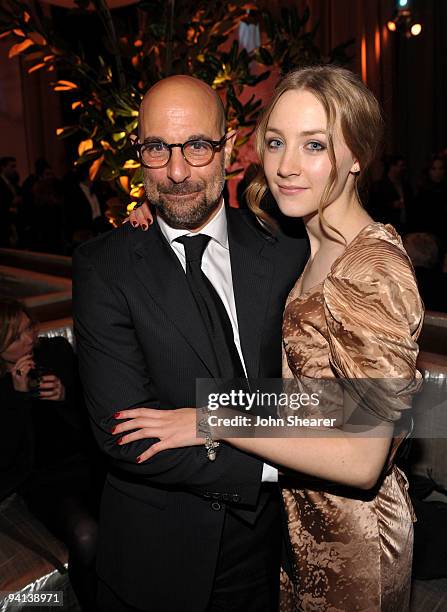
(178, 169)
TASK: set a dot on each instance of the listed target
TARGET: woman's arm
(331, 455)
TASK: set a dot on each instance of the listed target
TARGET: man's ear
(229, 144)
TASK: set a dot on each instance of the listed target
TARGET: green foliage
(172, 37)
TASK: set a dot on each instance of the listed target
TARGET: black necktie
(211, 308)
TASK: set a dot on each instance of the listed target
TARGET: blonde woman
(354, 313)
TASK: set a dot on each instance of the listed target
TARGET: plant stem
(106, 18)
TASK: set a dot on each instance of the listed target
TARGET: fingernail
(134, 223)
(144, 226)
(138, 460)
(119, 441)
(116, 415)
(112, 429)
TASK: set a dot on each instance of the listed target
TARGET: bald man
(181, 532)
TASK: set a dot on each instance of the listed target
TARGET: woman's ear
(355, 168)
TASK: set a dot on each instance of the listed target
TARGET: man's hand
(19, 373)
(51, 388)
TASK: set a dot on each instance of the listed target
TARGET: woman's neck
(343, 220)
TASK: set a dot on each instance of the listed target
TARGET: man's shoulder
(116, 242)
(288, 235)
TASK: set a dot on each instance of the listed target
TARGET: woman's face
(296, 160)
(437, 171)
(22, 342)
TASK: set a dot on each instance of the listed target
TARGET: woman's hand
(174, 428)
(51, 388)
(19, 372)
(141, 217)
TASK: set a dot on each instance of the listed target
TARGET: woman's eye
(315, 146)
(274, 143)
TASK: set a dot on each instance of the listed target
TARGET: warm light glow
(416, 29)
(377, 45)
(363, 58)
(391, 26)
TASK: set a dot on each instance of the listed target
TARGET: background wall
(409, 76)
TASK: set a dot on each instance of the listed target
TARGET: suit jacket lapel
(161, 273)
(252, 281)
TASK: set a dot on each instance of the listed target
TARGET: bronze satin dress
(352, 549)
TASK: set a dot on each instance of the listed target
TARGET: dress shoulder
(374, 315)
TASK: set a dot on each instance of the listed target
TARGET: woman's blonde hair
(344, 97)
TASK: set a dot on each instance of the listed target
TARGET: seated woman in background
(44, 453)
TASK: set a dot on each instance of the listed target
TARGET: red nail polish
(119, 441)
(112, 429)
(139, 460)
(134, 223)
(116, 415)
(144, 226)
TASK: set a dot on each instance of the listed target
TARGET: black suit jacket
(141, 342)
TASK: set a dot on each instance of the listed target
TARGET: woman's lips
(291, 190)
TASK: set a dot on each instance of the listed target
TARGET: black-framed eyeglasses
(197, 152)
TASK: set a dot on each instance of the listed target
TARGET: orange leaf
(76, 104)
(26, 17)
(138, 43)
(107, 146)
(47, 58)
(19, 33)
(131, 164)
(59, 131)
(124, 182)
(37, 38)
(137, 192)
(3, 34)
(67, 84)
(19, 47)
(36, 67)
(95, 167)
(84, 146)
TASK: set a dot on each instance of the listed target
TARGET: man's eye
(274, 143)
(155, 147)
(198, 145)
(315, 146)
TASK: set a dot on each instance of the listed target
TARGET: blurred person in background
(430, 210)
(85, 206)
(10, 201)
(47, 218)
(423, 250)
(45, 456)
(42, 171)
(392, 196)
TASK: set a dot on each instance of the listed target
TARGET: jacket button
(236, 497)
(225, 497)
(215, 495)
(207, 495)
(216, 506)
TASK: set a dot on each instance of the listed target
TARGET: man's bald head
(177, 110)
(182, 88)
